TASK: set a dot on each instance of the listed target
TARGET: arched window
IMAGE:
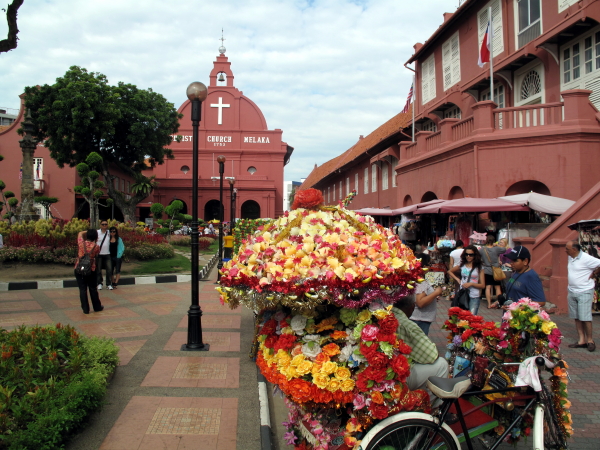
(250, 210)
(407, 201)
(428, 196)
(525, 186)
(456, 192)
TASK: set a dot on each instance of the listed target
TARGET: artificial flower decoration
(315, 255)
(526, 330)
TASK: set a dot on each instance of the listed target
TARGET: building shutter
(447, 63)
(428, 80)
(594, 86)
(455, 59)
(482, 16)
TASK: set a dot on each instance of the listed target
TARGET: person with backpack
(85, 269)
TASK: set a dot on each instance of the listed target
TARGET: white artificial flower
(311, 350)
(298, 323)
(346, 352)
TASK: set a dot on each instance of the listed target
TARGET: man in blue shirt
(524, 282)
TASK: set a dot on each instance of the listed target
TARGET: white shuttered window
(482, 21)
(374, 178)
(366, 180)
(356, 182)
(451, 61)
(564, 4)
(428, 80)
(384, 176)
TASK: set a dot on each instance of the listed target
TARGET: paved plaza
(162, 398)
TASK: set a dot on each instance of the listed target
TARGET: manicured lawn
(178, 264)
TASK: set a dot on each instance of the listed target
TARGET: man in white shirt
(104, 261)
(455, 254)
(582, 269)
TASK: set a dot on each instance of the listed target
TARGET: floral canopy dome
(319, 254)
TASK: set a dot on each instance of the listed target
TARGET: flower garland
(309, 257)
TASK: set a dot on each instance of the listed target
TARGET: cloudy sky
(323, 71)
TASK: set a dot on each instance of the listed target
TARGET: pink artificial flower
(544, 315)
(359, 401)
(507, 316)
(369, 333)
(503, 344)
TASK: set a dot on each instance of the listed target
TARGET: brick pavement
(160, 397)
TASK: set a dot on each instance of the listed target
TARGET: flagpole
(414, 96)
(491, 40)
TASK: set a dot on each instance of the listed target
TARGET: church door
(250, 210)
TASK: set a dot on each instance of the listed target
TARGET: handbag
(497, 272)
(84, 265)
(462, 297)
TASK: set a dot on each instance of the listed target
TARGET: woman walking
(117, 248)
(471, 275)
(86, 244)
(490, 256)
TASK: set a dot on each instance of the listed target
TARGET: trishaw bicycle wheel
(553, 436)
(412, 434)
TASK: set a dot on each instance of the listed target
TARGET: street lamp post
(197, 93)
(221, 160)
(232, 193)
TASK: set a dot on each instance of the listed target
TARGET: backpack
(84, 265)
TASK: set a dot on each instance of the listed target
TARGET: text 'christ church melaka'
(232, 125)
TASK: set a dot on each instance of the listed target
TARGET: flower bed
(55, 241)
(51, 379)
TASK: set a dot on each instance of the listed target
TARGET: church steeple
(222, 67)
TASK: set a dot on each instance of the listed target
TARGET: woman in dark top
(117, 248)
(86, 243)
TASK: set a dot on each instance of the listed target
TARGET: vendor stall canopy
(539, 202)
(469, 204)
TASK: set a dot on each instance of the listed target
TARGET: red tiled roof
(392, 126)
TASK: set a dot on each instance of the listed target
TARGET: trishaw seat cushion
(448, 387)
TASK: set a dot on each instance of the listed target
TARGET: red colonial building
(539, 131)
(232, 125)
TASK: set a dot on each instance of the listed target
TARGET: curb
(207, 268)
(59, 284)
(265, 414)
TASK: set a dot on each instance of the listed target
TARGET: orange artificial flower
(377, 397)
(326, 324)
(331, 349)
(337, 334)
(322, 357)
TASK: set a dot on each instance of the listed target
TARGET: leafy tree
(11, 17)
(157, 210)
(91, 187)
(46, 202)
(173, 211)
(128, 127)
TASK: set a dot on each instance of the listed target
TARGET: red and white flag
(409, 99)
(484, 51)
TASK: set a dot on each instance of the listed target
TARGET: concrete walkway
(160, 397)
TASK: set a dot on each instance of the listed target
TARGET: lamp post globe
(196, 93)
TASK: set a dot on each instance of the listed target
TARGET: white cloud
(323, 71)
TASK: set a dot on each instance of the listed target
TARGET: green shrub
(147, 251)
(51, 379)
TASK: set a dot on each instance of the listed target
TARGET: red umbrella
(413, 208)
(469, 204)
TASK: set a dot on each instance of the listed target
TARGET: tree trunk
(11, 17)
(127, 207)
(27, 183)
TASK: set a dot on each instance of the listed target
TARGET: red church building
(232, 125)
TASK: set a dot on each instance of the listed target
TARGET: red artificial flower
(388, 325)
(467, 334)
(378, 411)
(285, 342)
(377, 360)
(391, 338)
(308, 198)
(271, 341)
(367, 350)
(400, 365)
(376, 374)
(404, 348)
(269, 327)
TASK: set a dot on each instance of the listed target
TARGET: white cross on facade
(220, 105)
